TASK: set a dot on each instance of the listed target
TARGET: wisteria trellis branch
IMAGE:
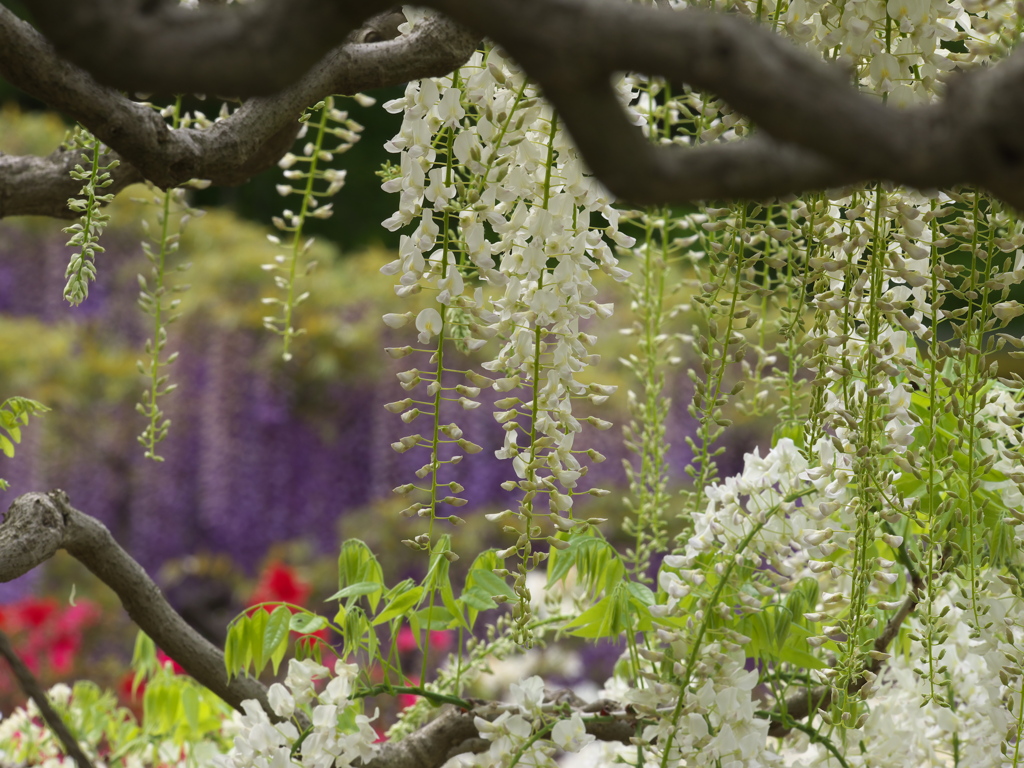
(230, 152)
(818, 131)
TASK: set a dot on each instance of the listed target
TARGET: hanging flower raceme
(311, 178)
(508, 230)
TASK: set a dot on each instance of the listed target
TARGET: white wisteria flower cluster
(516, 730)
(333, 739)
(867, 321)
(312, 179)
(106, 733)
(507, 229)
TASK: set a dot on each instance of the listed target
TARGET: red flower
(280, 583)
(34, 613)
(78, 616)
(440, 640)
(47, 633)
(406, 640)
(62, 652)
(29, 613)
(164, 659)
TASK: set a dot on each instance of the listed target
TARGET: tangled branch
(231, 152)
(816, 130)
(37, 525)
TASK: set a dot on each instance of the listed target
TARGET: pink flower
(440, 640)
(406, 640)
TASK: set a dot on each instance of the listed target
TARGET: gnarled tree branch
(816, 130)
(38, 524)
(231, 151)
(242, 50)
(41, 186)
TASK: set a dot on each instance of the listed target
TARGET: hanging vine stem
(85, 233)
(646, 433)
(330, 122)
(975, 374)
(153, 301)
(438, 359)
(708, 398)
(521, 611)
(850, 665)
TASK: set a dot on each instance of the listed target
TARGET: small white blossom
(571, 735)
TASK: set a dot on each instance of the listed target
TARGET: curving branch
(816, 130)
(38, 524)
(41, 186)
(454, 733)
(243, 50)
(230, 152)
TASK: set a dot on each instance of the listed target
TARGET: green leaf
(144, 660)
(358, 634)
(356, 590)
(609, 617)
(277, 655)
(597, 563)
(435, 618)
(399, 605)
(477, 598)
(803, 598)
(307, 623)
(358, 565)
(803, 659)
(481, 584)
(309, 647)
(437, 571)
(492, 583)
(257, 625)
(594, 622)
(190, 705)
(244, 658)
(561, 561)
(231, 650)
(159, 707)
(438, 579)
(612, 569)
(15, 411)
(641, 592)
(275, 634)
